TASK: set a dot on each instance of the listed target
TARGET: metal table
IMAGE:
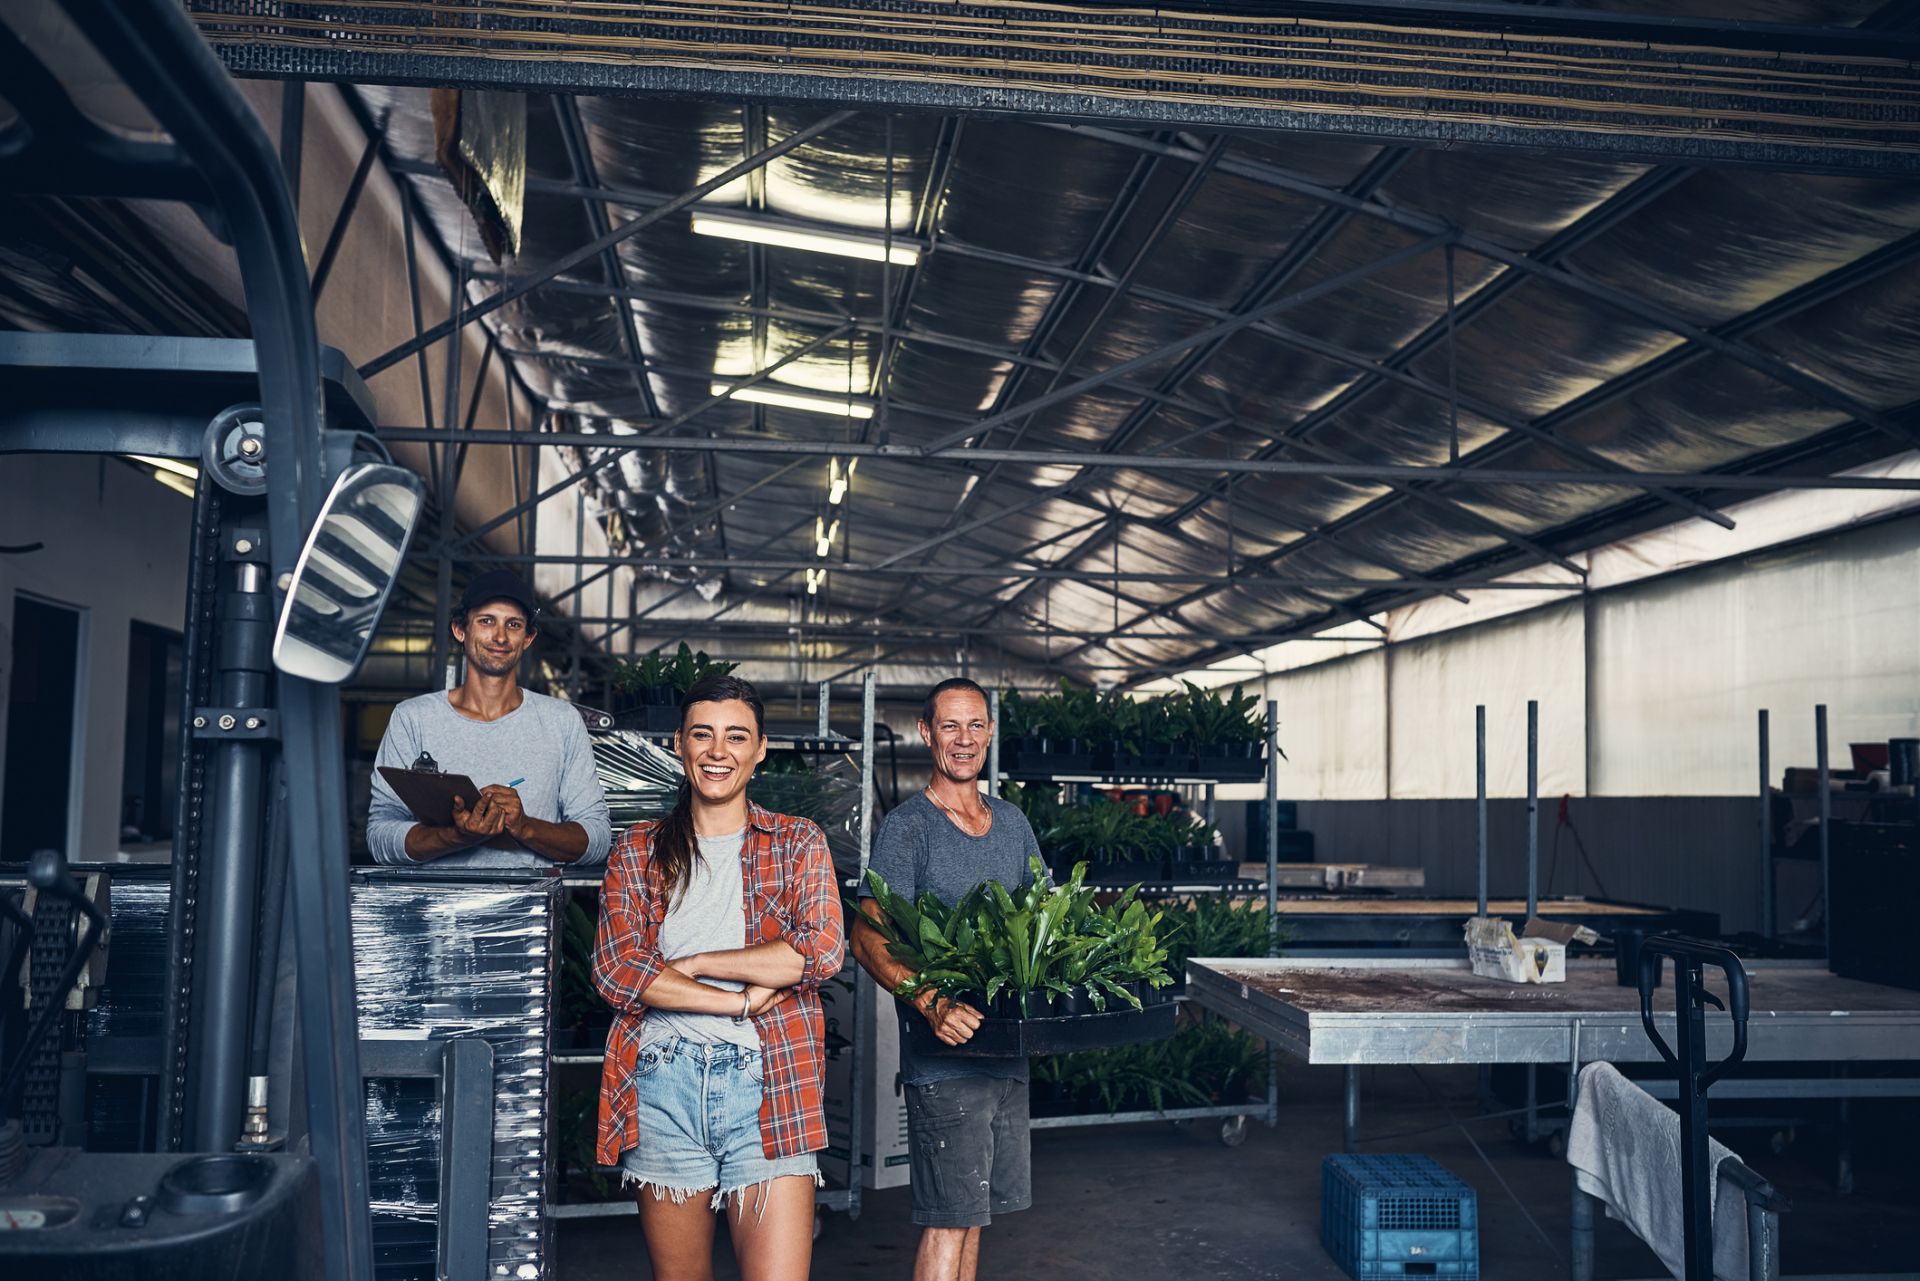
(1432, 1011)
(1377, 920)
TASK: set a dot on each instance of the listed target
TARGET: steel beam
(1377, 472)
(348, 203)
(599, 244)
(1624, 86)
(1017, 572)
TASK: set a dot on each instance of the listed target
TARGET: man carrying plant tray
(966, 1117)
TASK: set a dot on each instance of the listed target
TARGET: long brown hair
(675, 845)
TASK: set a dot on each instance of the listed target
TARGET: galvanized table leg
(1580, 1255)
(1350, 1110)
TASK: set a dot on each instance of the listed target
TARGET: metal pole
(1580, 1266)
(1533, 809)
(1273, 901)
(1480, 795)
(229, 908)
(993, 744)
(857, 1086)
(1766, 837)
(1826, 823)
(1273, 823)
(821, 700)
(1350, 1109)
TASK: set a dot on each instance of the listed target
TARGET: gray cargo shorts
(968, 1141)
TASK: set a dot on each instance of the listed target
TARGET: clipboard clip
(424, 764)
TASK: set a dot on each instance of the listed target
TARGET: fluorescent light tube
(175, 481)
(761, 394)
(870, 248)
(173, 465)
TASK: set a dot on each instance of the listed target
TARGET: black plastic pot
(1201, 869)
(665, 695)
(1018, 1038)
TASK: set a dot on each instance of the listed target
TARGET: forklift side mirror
(346, 572)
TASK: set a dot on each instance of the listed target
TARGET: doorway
(36, 807)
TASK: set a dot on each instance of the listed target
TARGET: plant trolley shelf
(1201, 771)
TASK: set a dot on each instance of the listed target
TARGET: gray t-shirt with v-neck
(709, 915)
(919, 848)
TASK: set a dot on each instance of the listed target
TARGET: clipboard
(430, 795)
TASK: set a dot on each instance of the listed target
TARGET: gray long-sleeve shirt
(542, 741)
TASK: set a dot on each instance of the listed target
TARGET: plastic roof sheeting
(1052, 245)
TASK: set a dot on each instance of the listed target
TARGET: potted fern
(1051, 969)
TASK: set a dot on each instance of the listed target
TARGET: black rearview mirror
(345, 573)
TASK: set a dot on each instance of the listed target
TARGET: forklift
(300, 524)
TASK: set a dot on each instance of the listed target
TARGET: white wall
(1682, 665)
(1649, 689)
(116, 547)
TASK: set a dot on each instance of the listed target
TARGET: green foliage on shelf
(576, 1123)
(1039, 940)
(1192, 719)
(1104, 831)
(1216, 925)
(578, 1002)
(682, 669)
(1206, 1061)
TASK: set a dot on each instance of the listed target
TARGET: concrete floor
(1151, 1201)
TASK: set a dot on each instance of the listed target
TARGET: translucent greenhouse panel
(1435, 684)
(1681, 666)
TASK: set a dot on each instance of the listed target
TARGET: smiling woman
(718, 925)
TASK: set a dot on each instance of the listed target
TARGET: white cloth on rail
(1624, 1147)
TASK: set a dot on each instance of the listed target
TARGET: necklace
(962, 823)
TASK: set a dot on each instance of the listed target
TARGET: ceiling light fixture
(816, 240)
(814, 579)
(838, 481)
(765, 395)
(823, 535)
(180, 477)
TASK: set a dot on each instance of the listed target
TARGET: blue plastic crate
(1386, 1216)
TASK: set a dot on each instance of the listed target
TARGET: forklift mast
(263, 822)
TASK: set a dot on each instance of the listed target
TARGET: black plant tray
(1018, 1038)
(1120, 872)
(1198, 869)
(651, 719)
(1232, 769)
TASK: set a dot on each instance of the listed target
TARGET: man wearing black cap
(540, 800)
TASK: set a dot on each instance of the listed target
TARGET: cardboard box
(883, 1131)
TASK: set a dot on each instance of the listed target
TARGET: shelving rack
(1233, 1116)
(823, 740)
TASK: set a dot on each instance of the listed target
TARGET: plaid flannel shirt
(790, 893)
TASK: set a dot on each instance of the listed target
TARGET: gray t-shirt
(919, 848)
(542, 742)
(709, 915)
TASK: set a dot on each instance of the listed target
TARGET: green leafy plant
(631, 677)
(1039, 940)
(688, 667)
(1019, 716)
(1039, 802)
(1209, 718)
(1216, 925)
(1206, 1061)
(576, 1120)
(578, 1003)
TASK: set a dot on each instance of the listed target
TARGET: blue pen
(516, 782)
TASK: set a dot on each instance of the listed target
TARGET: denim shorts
(697, 1112)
